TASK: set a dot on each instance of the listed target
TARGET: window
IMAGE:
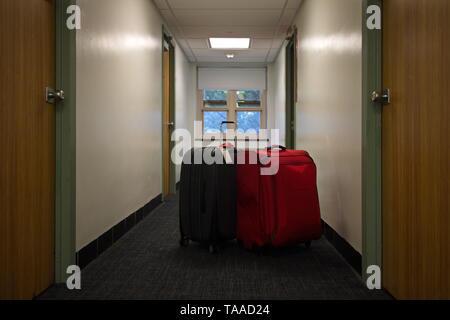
(248, 122)
(212, 121)
(245, 107)
(248, 99)
(215, 98)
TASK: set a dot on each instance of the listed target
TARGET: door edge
(291, 89)
(371, 144)
(65, 151)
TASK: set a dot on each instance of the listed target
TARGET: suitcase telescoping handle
(282, 148)
(226, 145)
(225, 122)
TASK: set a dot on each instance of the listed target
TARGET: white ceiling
(264, 21)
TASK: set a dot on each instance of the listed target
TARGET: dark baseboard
(90, 252)
(352, 256)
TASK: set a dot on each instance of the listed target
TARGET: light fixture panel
(229, 43)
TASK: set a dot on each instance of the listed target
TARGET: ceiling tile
(227, 17)
(241, 53)
(230, 31)
(282, 31)
(198, 43)
(168, 17)
(161, 4)
(288, 16)
(245, 60)
(217, 56)
(293, 4)
(227, 4)
(237, 59)
(261, 43)
(193, 21)
(231, 64)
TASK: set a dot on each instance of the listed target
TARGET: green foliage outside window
(248, 121)
(249, 95)
(212, 121)
(215, 95)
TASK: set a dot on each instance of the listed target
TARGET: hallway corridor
(148, 263)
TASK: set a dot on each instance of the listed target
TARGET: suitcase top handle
(225, 122)
(282, 148)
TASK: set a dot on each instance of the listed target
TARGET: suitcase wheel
(184, 242)
(308, 244)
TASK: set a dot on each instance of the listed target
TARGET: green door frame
(371, 144)
(291, 88)
(65, 206)
(65, 187)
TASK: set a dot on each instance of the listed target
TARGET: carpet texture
(148, 263)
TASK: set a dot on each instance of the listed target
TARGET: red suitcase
(280, 209)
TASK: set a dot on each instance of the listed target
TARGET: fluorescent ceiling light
(229, 43)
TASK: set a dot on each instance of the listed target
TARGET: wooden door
(166, 121)
(27, 147)
(416, 149)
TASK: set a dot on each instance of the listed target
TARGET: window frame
(232, 109)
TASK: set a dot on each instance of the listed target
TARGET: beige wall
(185, 96)
(329, 110)
(276, 95)
(118, 112)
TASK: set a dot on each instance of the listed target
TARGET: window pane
(248, 121)
(254, 95)
(215, 98)
(248, 98)
(212, 121)
(215, 95)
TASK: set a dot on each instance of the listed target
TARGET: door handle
(53, 96)
(382, 97)
(171, 124)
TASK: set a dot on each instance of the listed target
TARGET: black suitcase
(208, 198)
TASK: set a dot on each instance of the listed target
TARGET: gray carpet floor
(148, 263)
